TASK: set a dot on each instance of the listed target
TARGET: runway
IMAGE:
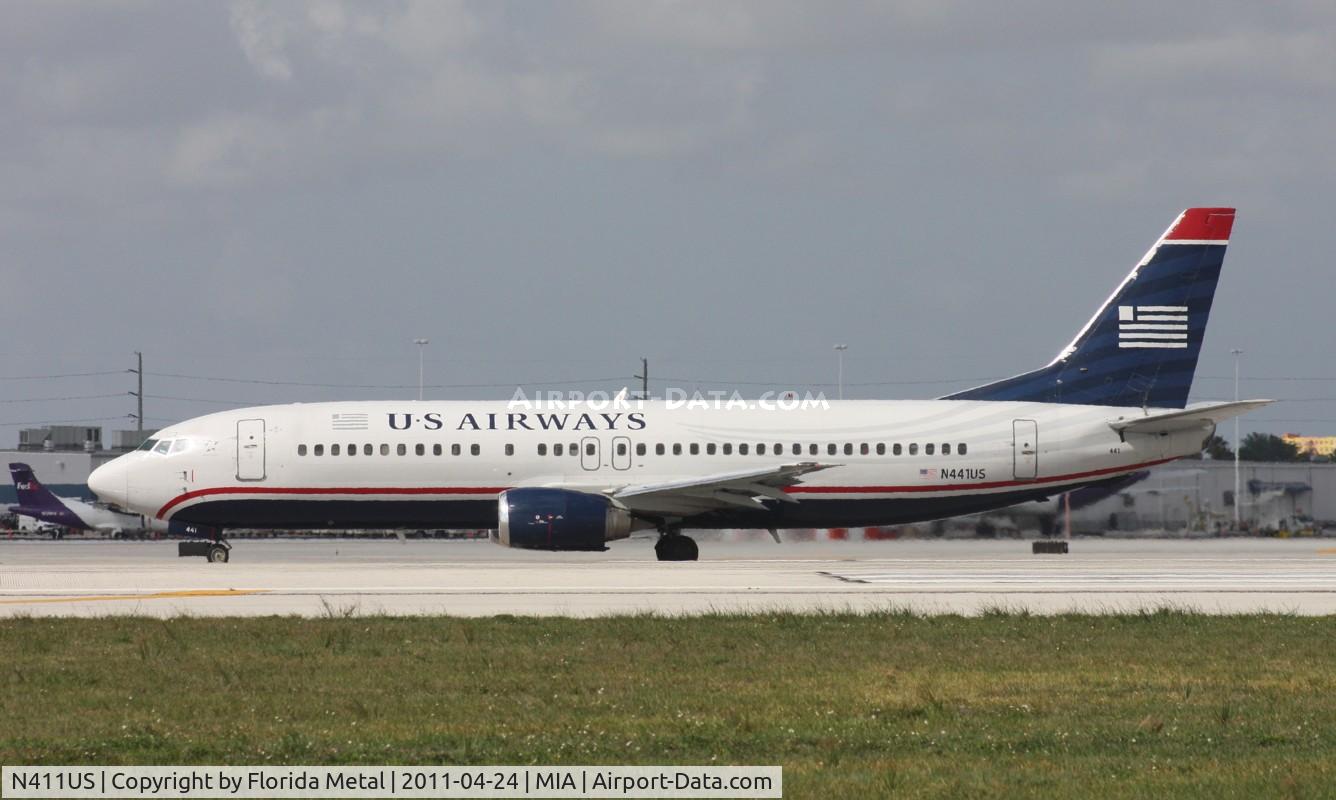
(337, 577)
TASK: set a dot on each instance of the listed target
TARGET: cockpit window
(180, 446)
(163, 446)
(148, 444)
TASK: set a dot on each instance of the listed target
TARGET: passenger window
(454, 450)
(881, 448)
(385, 449)
(797, 449)
(831, 449)
(961, 450)
(742, 449)
(436, 449)
(557, 450)
(542, 449)
(640, 448)
(677, 449)
(333, 449)
(709, 449)
(366, 450)
(895, 449)
(658, 449)
(320, 449)
(589, 449)
(420, 449)
(927, 449)
(352, 449)
(475, 449)
(946, 449)
(402, 449)
(814, 449)
(863, 449)
(913, 449)
(301, 449)
(621, 448)
(728, 448)
(695, 449)
(510, 449)
(848, 449)
(760, 449)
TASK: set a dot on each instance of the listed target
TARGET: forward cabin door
(1025, 448)
(250, 450)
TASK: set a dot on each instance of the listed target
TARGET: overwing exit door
(590, 457)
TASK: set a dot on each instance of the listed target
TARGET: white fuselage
(444, 464)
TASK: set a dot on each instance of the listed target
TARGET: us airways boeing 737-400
(574, 476)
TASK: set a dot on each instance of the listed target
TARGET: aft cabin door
(1025, 448)
(250, 450)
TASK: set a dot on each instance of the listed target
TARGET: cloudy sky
(290, 193)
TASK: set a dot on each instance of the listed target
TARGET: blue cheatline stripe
(1106, 368)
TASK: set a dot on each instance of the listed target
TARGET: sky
(272, 201)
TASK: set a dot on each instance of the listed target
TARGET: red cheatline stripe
(397, 490)
(956, 487)
(800, 489)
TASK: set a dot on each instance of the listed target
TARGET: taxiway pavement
(323, 577)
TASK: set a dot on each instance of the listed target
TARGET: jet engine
(560, 519)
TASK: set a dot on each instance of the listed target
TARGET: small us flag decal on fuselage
(348, 422)
(1163, 327)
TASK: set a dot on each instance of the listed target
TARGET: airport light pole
(139, 398)
(839, 349)
(422, 344)
(1238, 498)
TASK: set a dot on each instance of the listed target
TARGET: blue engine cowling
(559, 519)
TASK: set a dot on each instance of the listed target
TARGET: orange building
(1312, 445)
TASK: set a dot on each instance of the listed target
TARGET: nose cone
(110, 483)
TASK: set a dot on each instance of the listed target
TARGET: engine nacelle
(559, 519)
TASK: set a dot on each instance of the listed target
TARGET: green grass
(1003, 705)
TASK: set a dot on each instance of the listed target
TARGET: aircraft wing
(1187, 419)
(744, 489)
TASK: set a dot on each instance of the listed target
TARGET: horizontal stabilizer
(1187, 419)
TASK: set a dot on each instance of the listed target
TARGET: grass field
(1003, 705)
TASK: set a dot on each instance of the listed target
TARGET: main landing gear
(219, 552)
(673, 546)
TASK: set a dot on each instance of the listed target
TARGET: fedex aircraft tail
(1140, 348)
(35, 500)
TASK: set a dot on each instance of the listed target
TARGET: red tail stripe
(1204, 224)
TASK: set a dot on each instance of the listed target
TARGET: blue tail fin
(1141, 347)
(36, 501)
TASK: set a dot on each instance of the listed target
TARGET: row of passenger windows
(677, 449)
(401, 449)
(727, 449)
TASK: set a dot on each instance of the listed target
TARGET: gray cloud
(295, 190)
